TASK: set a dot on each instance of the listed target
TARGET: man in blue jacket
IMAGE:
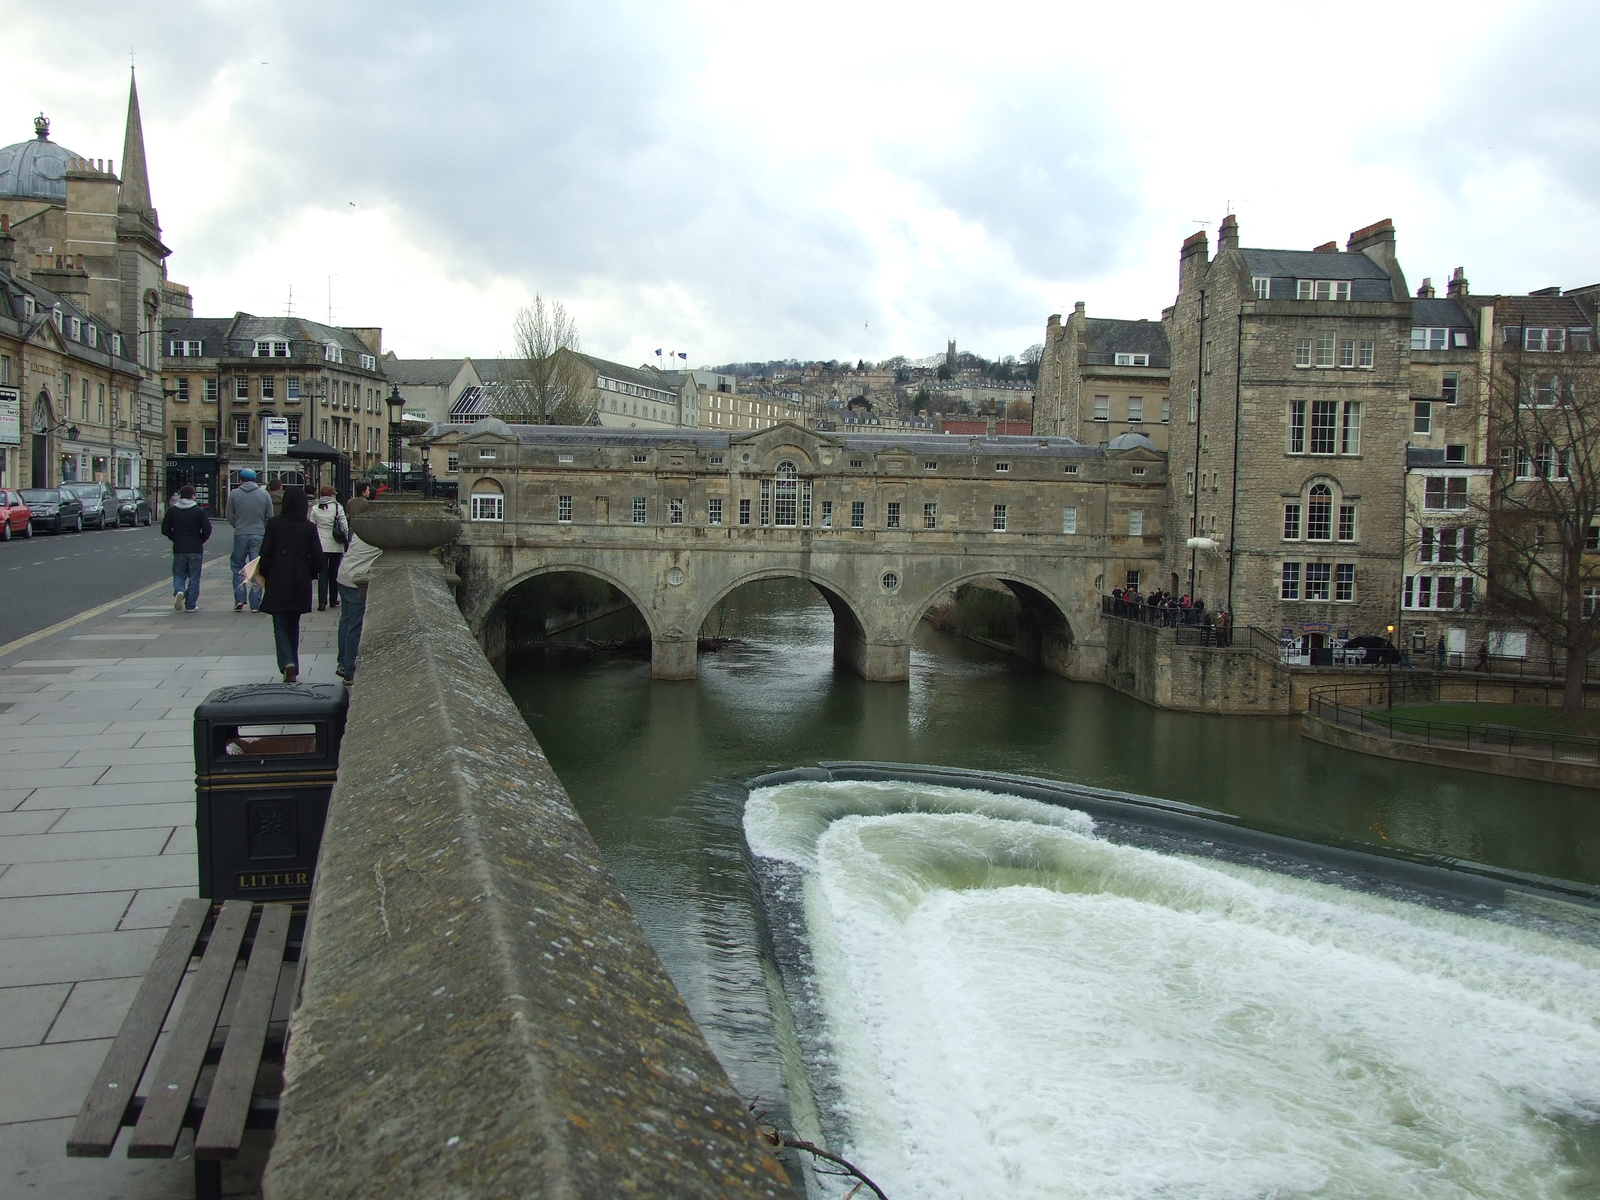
(187, 527)
(249, 507)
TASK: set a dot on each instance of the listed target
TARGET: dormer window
(1322, 289)
(91, 334)
(1133, 360)
(271, 348)
(1429, 337)
(331, 352)
(116, 344)
(55, 316)
(29, 308)
(185, 349)
(77, 329)
(1263, 286)
(369, 363)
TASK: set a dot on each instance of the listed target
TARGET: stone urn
(407, 523)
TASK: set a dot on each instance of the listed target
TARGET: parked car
(1378, 650)
(55, 509)
(16, 518)
(133, 506)
(99, 502)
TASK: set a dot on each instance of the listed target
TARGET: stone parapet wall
(1487, 762)
(481, 1015)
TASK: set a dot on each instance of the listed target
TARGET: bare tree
(549, 383)
(1543, 566)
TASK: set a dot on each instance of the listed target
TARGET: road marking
(88, 614)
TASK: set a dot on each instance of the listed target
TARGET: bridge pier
(677, 658)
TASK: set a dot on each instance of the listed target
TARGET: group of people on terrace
(1164, 608)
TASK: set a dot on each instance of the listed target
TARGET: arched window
(488, 503)
(1319, 514)
(786, 493)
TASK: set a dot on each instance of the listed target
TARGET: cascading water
(993, 999)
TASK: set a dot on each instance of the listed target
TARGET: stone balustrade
(481, 1015)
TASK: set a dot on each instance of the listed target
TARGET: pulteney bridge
(882, 524)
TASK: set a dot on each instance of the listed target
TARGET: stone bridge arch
(850, 642)
(1045, 635)
(487, 616)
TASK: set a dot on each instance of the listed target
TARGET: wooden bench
(242, 955)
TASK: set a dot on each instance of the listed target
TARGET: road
(50, 577)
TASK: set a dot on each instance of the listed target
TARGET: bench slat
(229, 1102)
(156, 1134)
(100, 1118)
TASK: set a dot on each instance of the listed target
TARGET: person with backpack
(187, 527)
(333, 531)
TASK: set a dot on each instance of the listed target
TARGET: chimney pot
(1458, 283)
(1326, 248)
(1078, 308)
(1425, 292)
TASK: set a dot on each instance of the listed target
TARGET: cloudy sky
(841, 178)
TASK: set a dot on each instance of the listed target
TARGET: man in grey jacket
(249, 506)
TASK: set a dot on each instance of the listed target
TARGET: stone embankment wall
(481, 1015)
(1146, 662)
(1487, 762)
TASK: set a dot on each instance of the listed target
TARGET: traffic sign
(277, 438)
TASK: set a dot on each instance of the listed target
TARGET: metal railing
(1368, 708)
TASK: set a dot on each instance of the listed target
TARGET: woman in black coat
(291, 557)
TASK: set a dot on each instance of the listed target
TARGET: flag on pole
(658, 354)
(684, 356)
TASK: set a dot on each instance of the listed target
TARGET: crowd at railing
(1368, 708)
(1194, 622)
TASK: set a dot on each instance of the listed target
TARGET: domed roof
(35, 169)
(1130, 441)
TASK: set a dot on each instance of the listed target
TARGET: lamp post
(1389, 664)
(396, 403)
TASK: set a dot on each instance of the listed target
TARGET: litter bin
(265, 757)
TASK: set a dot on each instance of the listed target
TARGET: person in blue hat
(249, 508)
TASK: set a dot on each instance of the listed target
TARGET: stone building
(1291, 376)
(92, 240)
(431, 386)
(69, 389)
(226, 375)
(1099, 378)
(1448, 476)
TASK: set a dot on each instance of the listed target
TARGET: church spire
(135, 178)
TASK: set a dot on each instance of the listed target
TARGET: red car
(16, 518)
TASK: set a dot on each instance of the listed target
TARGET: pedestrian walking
(275, 491)
(187, 527)
(249, 509)
(1438, 652)
(354, 573)
(333, 531)
(1483, 657)
(291, 557)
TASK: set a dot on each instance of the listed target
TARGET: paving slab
(26, 1013)
(36, 821)
(70, 957)
(104, 843)
(112, 794)
(47, 916)
(47, 1081)
(98, 875)
(116, 816)
(153, 908)
(13, 798)
(36, 1167)
(94, 1009)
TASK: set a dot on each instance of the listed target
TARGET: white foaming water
(1016, 1007)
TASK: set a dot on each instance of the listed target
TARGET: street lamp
(1389, 663)
(396, 403)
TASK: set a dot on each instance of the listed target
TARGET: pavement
(97, 846)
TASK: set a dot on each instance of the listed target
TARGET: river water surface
(1445, 1063)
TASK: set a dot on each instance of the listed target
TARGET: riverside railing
(1366, 707)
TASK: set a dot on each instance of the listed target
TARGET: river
(655, 769)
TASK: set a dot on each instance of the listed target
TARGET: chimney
(1078, 309)
(1425, 292)
(1228, 234)
(1326, 248)
(1193, 259)
(1376, 241)
(1457, 286)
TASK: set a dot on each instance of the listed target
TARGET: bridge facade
(883, 526)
